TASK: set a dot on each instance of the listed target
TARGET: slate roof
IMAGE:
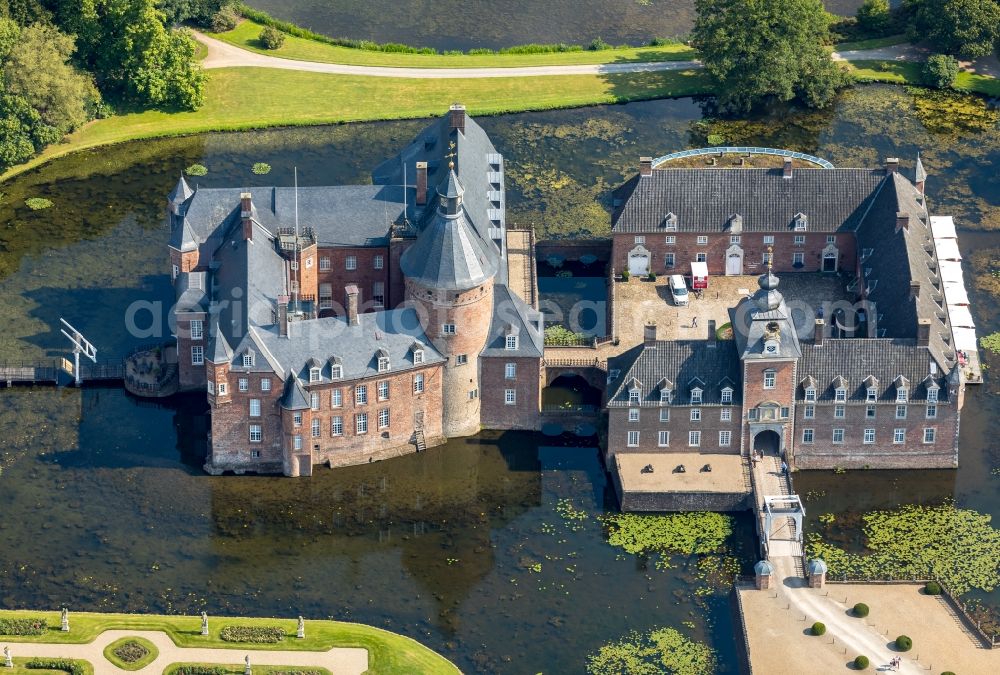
(681, 361)
(855, 359)
(191, 289)
(395, 331)
(509, 311)
(704, 199)
(294, 396)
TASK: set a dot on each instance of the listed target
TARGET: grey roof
(763, 568)
(219, 350)
(294, 396)
(395, 331)
(705, 200)
(510, 313)
(191, 292)
(854, 359)
(755, 318)
(181, 191)
(681, 362)
(919, 173)
(817, 566)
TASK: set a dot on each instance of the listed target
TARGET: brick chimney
(923, 332)
(246, 215)
(282, 319)
(649, 335)
(914, 289)
(352, 305)
(786, 172)
(819, 332)
(645, 166)
(456, 117)
(891, 165)
(421, 183)
(902, 220)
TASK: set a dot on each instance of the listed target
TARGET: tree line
(65, 62)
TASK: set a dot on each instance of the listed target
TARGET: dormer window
(810, 393)
(736, 224)
(248, 359)
(633, 396)
(872, 394)
(314, 374)
(418, 355)
(336, 372)
(727, 395)
(801, 222)
(932, 394)
(511, 343)
(670, 221)
(901, 395)
(696, 396)
(383, 360)
(840, 394)
(665, 395)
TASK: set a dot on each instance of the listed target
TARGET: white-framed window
(324, 264)
(351, 262)
(243, 384)
(694, 439)
(256, 433)
(766, 258)
(668, 260)
(784, 413)
(831, 239)
(197, 355)
(900, 412)
(839, 412)
(361, 394)
(898, 436)
(869, 436)
(461, 359)
(840, 394)
(931, 412)
(265, 384)
(809, 412)
(382, 389)
(639, 239)
(255, 407)
(633, 439)
(511, 343)
(378, 262)
(211, 387)
(726, 415)
(769, 379)
(701, 257)
(633, 396)
(932, 395)
(725, 438)
(930, 433)
(175, 272)
(663, 438)
(870, 411)
(510, 396)
(798, 258)
(696, 396)
(838, 436)
(670, 240)
(510, 371)
(800, 239)
(727, 395)
(297, 419)
(221, 388)
(810, 393)
(768, 239)
(314, 400)
(808, 435)
(702, 240)
(418, 356)
(255, 454)
(872, 394)
(293, 264)
(383, 418)
(734, 239)
(418, 383)
(633, 414)
(361, 423)
(383, 364)
(297, 442)
(197, 329)
(695, 414)
(336, 371)
(473, 394)
(316, 429)
(901, 395)
(336, 398)
(665, 395)
(314, 374)
(664, 414)
(378, 293)
(337, 426)
(448, 329)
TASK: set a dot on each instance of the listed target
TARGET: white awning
(960, 316)
(943, 227)
(955, 294)
(699, 269)
(951, 272)
(947, 249)
(965, 339)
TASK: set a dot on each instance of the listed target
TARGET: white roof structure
(947, 249)
(951, 272)
(960, 316)
(965, 339)
(699, 269)
(943, 227)
(955, 294)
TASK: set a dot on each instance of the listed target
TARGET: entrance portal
(768, 442)
(734, 261)
(638, 261)
(830, 262)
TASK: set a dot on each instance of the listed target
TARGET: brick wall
(190, 376)
(364, 276)
(783, 393)
(185, 262)
(231, 448)
(397, 285)
(527, 385)
(680, 423)
(308, 271)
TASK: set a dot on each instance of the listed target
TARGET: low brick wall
(939, 460)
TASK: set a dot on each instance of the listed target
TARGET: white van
(678, 290)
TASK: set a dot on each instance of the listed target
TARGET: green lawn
(246, 33)
(249, 98)
(387, 652)
(874, 43)
(896, 72)
(238, 669)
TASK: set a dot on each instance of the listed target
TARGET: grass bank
(246, 34)
(387, 652)
(898, 72)
(873, 43)
(253, 98)
(239, 670)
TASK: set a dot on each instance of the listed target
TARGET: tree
(39, 71)
(199, 11)
(766, 49)
(223, 20)
(940, 71)
(873, 16)
(968, 28)
(22, 130)
(272, 38)
(9, 34)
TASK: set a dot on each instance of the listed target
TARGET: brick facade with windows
(365, 275)
(527, 383)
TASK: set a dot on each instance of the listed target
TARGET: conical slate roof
(921, 173)
(449, 254)
(181, 191)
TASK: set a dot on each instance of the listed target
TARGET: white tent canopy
(960, 316)
(955, 294)
(965, 339)
(943, 227)
(947, 249)
(951, 272)
(699, 269)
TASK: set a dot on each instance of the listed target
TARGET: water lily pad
(196, 170)
(37, 203)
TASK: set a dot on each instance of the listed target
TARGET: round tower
(449, 273)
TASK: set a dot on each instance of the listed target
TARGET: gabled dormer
(666, 391)
(248, 358)
(417, 352)
(871, 388)
(800, 223)
(511, 337)
(634, 391)
(382, 360)
(315, 369)
(670, 222)
(808, 384)
(697, 390)
(735, 224)
(336, 367)
(902, 389)
(839, 389)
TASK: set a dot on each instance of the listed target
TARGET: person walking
(784, 468)
(694, 322)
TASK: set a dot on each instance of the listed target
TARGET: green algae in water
(671, 533)
(196, 170)
(261, 169)
(37, 203)
(656, 651)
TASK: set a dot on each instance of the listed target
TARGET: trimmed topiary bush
(904, 643)
(861, 609)
(626, 275)
(65, 665)
(861, 663)
(818, 628)
(271, 38)
(651, 276)
(940, 71)
(932, 588)
(947, 672)
(29, 626)
(255, 634)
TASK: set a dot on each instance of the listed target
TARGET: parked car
(678, 290)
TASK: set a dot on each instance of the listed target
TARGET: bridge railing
(576, 363)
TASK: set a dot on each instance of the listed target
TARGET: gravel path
(339, 660)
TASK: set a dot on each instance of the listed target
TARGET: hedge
(257, 634)
(27, 626)
(932, 588)
(65, 665)
(861, 663)
(861, 609)
(818, 628)
(904, 643)
(200, 670)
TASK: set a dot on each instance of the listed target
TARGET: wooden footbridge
(59, 372)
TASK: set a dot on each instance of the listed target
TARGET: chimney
(352, 305)
(649, 335)
(421, 183)
(902, 220)
(819, 332)
(283, 319)
(786, 172)
(923, 332)
(891, 165)
(246, 215)
(456, 117)
(712, 336)
(914, 289)
(645, 166)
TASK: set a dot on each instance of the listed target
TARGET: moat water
(465, 24)
(103, 504)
